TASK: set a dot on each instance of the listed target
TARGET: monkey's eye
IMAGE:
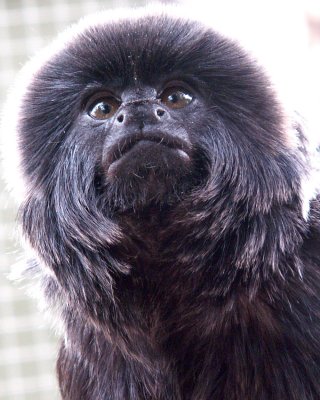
(103, 108)
(176, 97)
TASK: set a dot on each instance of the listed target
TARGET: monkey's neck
(143, 240)
(180, 270)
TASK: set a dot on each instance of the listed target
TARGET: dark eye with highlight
(176, 97)
(103, 108)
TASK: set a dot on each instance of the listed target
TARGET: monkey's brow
(107, 85)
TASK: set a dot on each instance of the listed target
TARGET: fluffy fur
(194, 277)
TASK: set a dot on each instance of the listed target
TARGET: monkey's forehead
(146, 49)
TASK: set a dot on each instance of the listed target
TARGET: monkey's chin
(149, 173)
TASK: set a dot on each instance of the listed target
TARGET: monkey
(171, 204)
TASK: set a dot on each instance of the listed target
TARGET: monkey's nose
(142, 115)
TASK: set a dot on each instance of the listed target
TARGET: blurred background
(284, 34)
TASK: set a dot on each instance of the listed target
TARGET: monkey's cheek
(147, 158)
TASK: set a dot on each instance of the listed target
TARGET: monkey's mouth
(144, 144)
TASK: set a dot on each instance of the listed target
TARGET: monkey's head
(147, 111)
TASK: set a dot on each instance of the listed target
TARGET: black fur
(174, 277)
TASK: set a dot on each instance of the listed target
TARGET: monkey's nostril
(120, 118)
(160, 112)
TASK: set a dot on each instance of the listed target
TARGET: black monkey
(165, 202)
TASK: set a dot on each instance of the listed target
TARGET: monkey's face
(147, 155)
(150, 111)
